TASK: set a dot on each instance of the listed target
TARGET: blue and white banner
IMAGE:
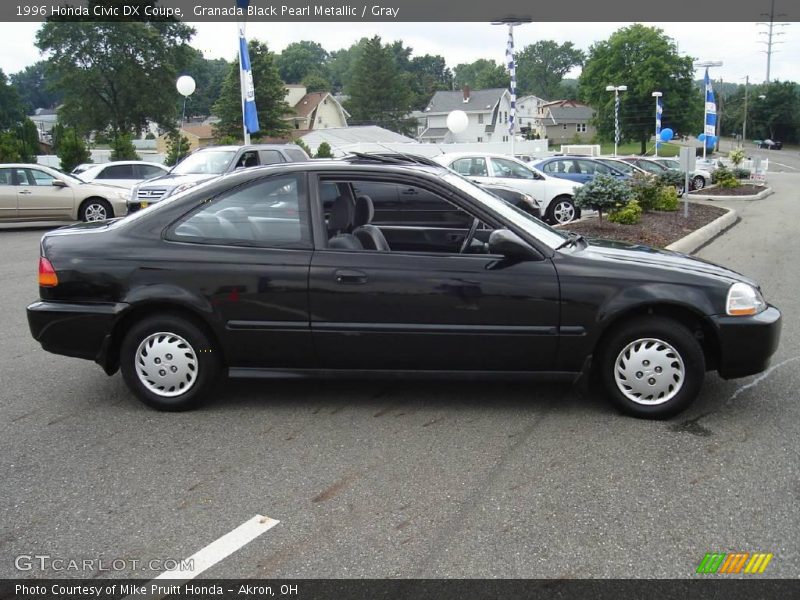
(659, 112)
(512, 70)
(248, 89)
(711, 108)
(616, 118)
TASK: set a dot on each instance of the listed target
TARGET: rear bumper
(81, 330)
(747, 343)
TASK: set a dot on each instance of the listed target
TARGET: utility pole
(770, 33)
(744, 122)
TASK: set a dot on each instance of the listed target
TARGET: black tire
(556, 209)
(95, 209)
(698, 182)
(672, 336)
(177, 331)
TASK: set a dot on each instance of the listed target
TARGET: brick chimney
(466, 93)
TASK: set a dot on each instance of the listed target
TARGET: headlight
(182, 188)
(744, 299)
(134, 193)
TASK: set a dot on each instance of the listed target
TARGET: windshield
(532, 225)
(213, 162)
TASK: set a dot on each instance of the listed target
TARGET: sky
(736, 44)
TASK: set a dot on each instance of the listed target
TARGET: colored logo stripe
(721, 562)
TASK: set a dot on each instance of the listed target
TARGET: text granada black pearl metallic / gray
(379, 266)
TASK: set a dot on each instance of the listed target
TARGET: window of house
(565, 126)
(580, 127)
(480, 139)
(270, 212)
(480, 118)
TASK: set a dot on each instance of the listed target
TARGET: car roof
(455, 155)
(250, 147)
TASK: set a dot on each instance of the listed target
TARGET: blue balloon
(710, 141)
(666, 134)
(701, 137)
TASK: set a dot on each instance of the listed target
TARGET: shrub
(629, 214)
(645, 190)
(603, 193)
(736, 156)
(177, 148)
(724, 178)
(304, 147)
(672, 179)
(324, 151)
(71, 149)
(667, 199)
(740, 173)
(122, 148)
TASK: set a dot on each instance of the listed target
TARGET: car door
(249, 255)
(39, 198)
(431, 310)
(8, 194)
(513, 174)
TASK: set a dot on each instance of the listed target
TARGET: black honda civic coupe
(296, 271)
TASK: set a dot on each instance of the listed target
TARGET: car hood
(173, 180)
(624, 252)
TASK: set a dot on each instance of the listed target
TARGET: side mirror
(59, 183)
(510, 245)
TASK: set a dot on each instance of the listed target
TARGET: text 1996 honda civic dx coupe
(290, 270)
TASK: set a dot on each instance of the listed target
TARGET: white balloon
(457, 121)
(185, 85)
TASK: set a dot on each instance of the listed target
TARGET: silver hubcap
(564, 212)
(649, 372)
(166, 364)
(96, 212)
(699, 183)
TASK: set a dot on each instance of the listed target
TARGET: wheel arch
(86, 201)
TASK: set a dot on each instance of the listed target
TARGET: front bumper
(81, 330)
(747, 343)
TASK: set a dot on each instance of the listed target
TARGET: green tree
(429, 74)
(70, 148)
(122, 148)
(481, 74)
(775, 116)
(315, 82)
(269, 95)
(208, 75)
(177, 148)
(34, 89)
(300, 59)
(340, 65)
(646, 60)
(379, 93)
(12, 110)
(324, 151)
(117, 74)
(542, 66)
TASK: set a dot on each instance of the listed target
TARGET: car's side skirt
(259, 373)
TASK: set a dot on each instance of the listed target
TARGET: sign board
(688, 158)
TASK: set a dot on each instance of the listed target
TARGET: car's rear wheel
(698, 182)
(652, 367)
(168, 362)
(95, 209)
(561, 210)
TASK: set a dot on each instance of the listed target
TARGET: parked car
(122, 173)
(698, 178)
(207, 163)
(245, 276)
(31, 192)
(516, 198)
(770, 145)
(622, 166)
(555, 195)
(579, 170)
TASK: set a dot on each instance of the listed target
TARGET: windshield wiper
(573, 239)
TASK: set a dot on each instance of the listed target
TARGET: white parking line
(206, 558)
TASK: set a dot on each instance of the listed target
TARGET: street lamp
(657, 96)
(616, 89)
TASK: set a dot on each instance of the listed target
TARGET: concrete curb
(700, 237)
(762, 194)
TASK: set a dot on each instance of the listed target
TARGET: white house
(315, 110)
(528, 112)
(487, 111)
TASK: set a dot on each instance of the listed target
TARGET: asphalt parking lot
(405, 479)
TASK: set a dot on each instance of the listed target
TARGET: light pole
(744, 122)
(657, 96)
(709, 128)
(616, 89)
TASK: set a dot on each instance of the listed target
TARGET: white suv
(554, 195)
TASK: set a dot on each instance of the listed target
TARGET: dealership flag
(659, 111)
(249, 114)
(711, 108)
(512, 69)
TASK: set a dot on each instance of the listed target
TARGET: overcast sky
(736, 44)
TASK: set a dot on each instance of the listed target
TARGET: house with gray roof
(566, 122)
(487, 111)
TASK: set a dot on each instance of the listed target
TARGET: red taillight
(47, 274)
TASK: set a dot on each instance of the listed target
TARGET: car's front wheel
(95, 209)
(652, 367)
(698, 182)
(168, 362)
(561, 210)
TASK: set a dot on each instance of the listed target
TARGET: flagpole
(512, 71)
(657, 96)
